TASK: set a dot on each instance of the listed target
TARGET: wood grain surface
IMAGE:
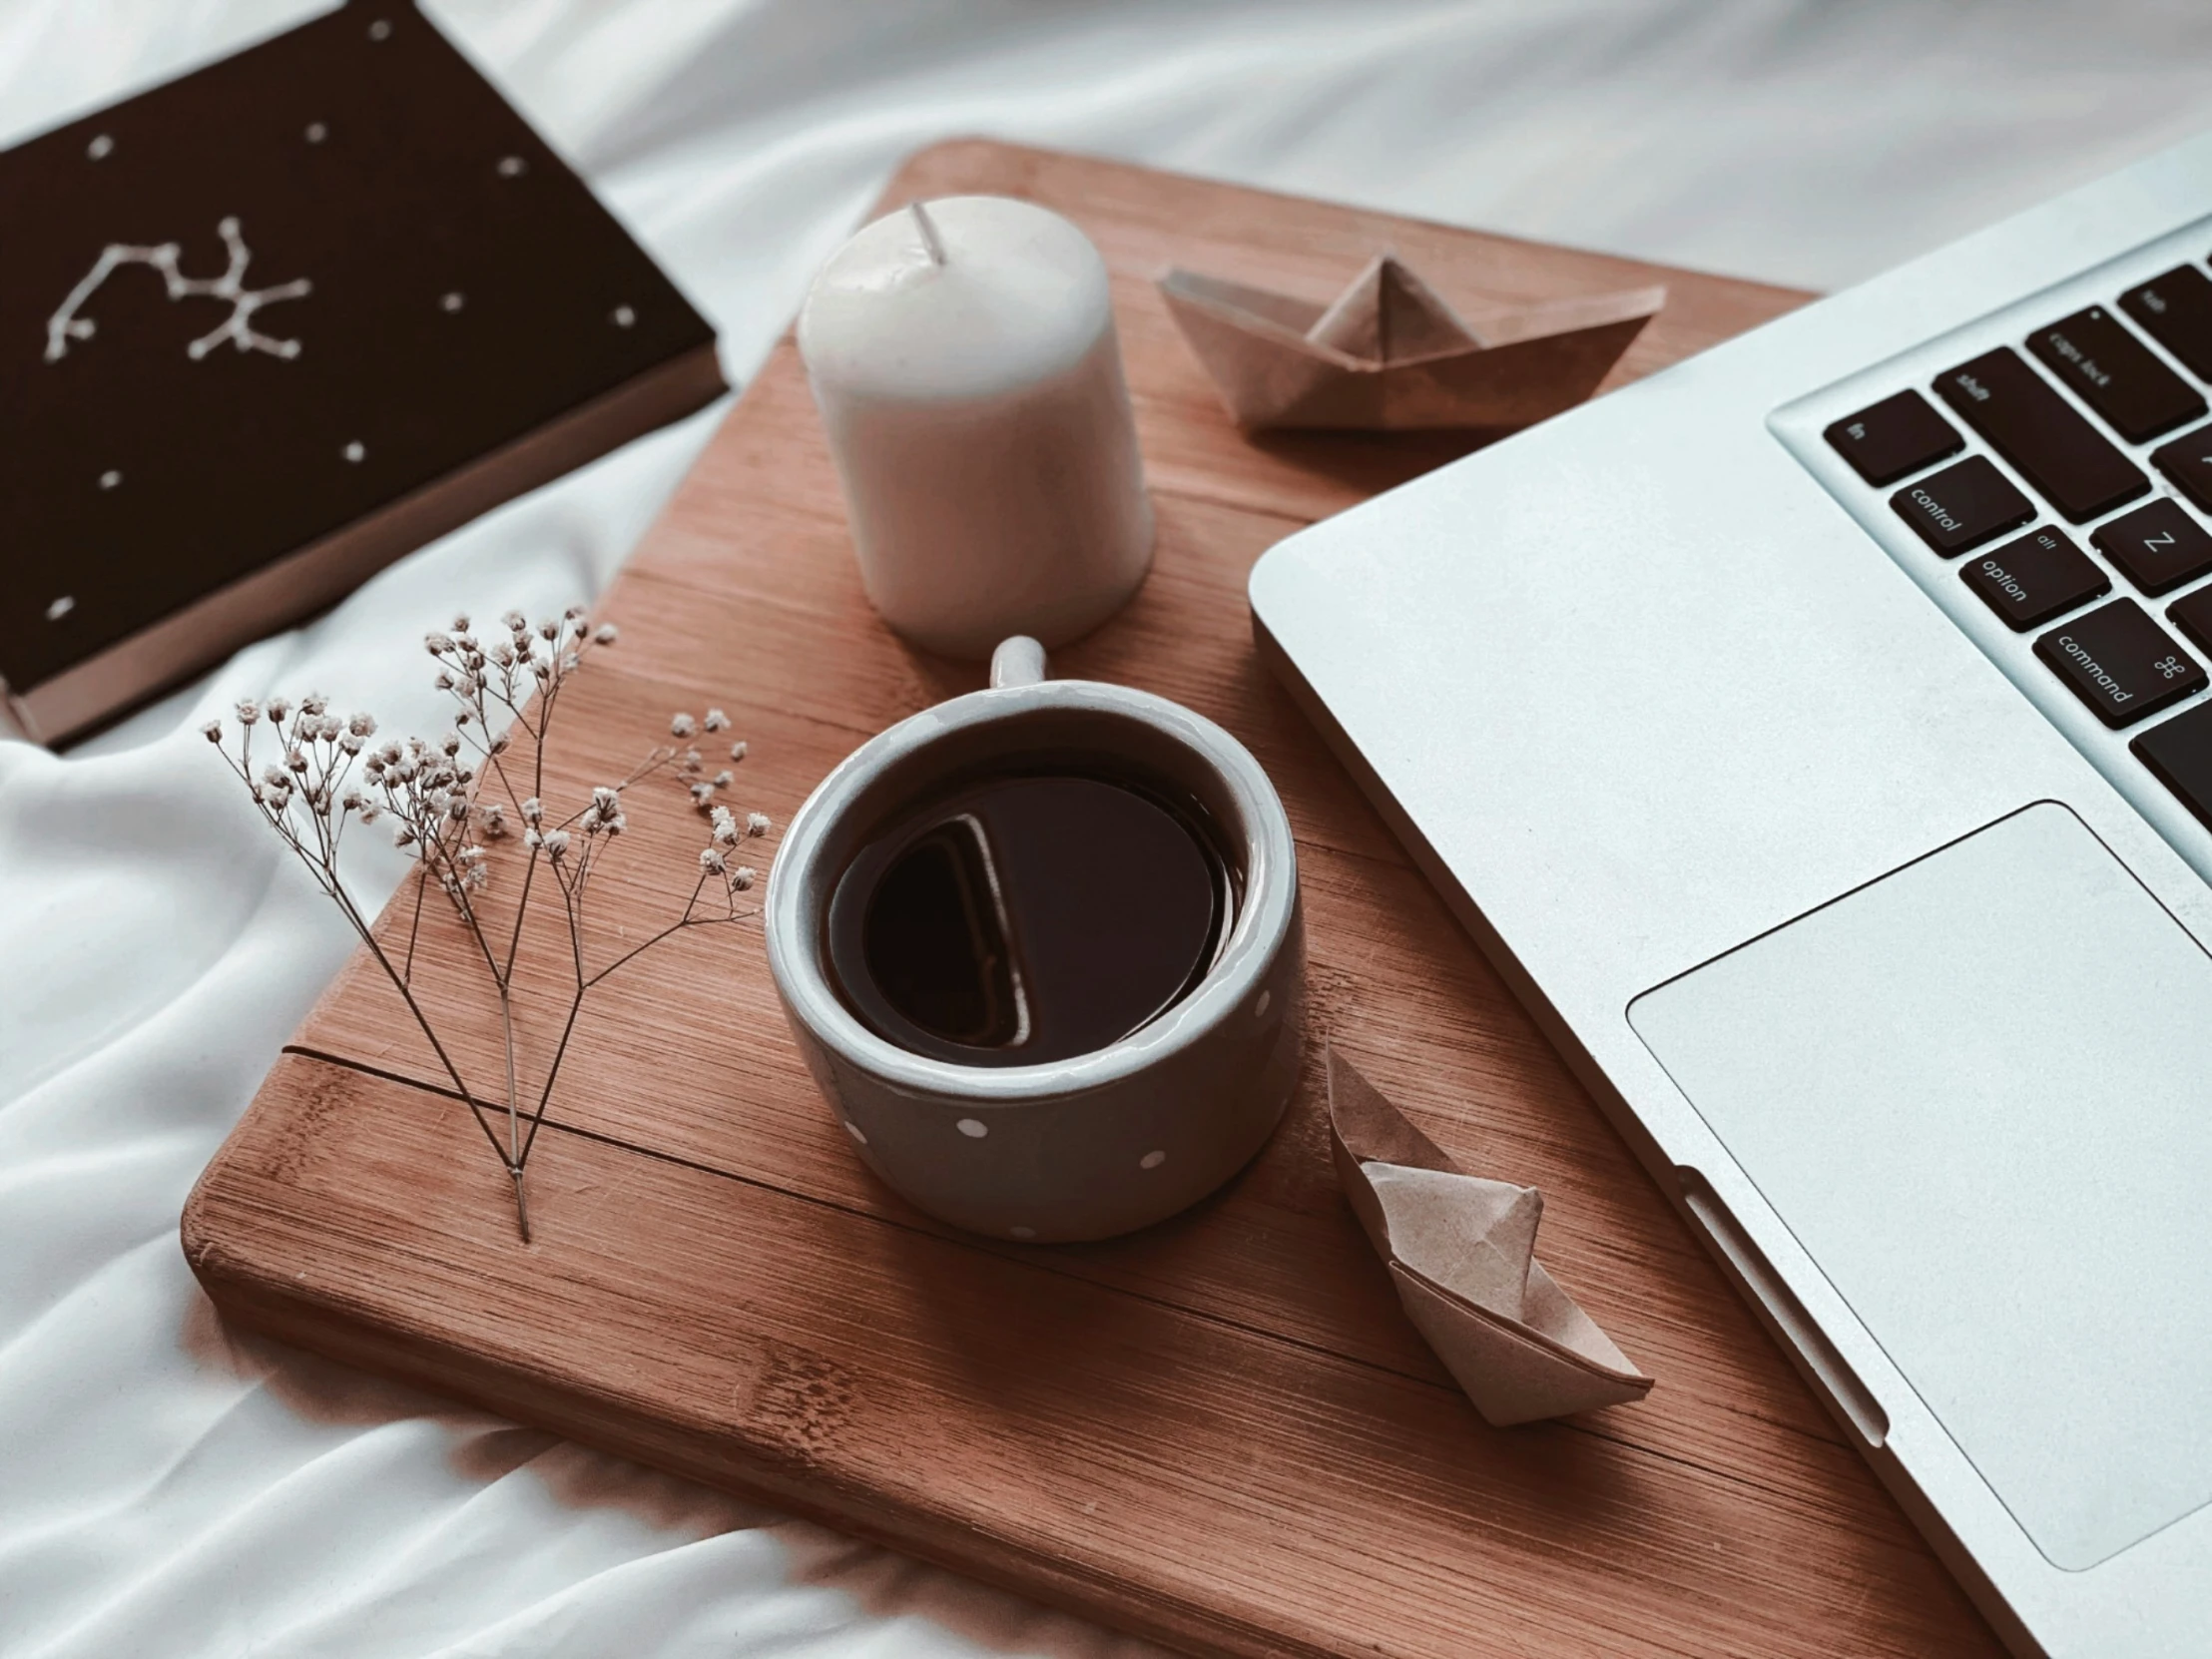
(1221, 1432)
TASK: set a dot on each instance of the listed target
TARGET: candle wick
(929, 237)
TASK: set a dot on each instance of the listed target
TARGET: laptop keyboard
(2072, 426)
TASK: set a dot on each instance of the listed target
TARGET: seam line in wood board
(981, 1247)
(961, 1240)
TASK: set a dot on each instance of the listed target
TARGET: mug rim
(1264, 918)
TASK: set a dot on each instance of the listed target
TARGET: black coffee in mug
(1030, 916)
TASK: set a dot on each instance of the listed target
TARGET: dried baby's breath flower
(325, 774)
(605, 633)
(736, 750)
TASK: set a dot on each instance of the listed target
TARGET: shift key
(2076, 467)
(2120, 663)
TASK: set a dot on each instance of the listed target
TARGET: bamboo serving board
(1221, 1432)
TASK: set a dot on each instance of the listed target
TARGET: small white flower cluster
(692, 766)
(727, 834)
(312, 764)
(495, 682)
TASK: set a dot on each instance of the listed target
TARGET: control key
(1963, 506)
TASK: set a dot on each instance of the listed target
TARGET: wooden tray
(1221, 1433)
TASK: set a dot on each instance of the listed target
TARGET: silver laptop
(1818, 736)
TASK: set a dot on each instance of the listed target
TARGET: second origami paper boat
(1461, 1250)
(1390, 355)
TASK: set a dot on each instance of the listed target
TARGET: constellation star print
(66, 325)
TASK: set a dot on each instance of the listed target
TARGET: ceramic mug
(1099, 1143)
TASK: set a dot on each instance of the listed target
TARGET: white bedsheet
(167, 1488)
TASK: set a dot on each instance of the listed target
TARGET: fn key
(2120, 663)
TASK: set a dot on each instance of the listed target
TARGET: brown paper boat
(1391, 355)
(1461, 1250)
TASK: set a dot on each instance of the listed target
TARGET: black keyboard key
(1963, 506)
(2052, 443)
(2120, 663)
(2158, 546)
(2029, 580)
(2187, 462)
(2179, 755)
(2176, 311)
(1898, 436)
(2094, 356)
(2193, 616)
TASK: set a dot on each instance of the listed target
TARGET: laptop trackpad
(1979, 1094)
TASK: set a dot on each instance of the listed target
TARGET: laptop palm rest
(1979, 1093)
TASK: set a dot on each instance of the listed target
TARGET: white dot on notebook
(511, 167)
(100, 146)
(452, 302)
(973, 1128)
(623, 317)
(61, 608)
(379, 30)
(110, 478)
(1152, 1159)
(357, 451)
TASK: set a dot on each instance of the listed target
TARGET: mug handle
(1019, 661)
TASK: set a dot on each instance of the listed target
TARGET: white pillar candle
(963, 356)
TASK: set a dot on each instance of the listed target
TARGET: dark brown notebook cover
(271, 325)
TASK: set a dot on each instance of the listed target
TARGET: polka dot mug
(1094, 1144)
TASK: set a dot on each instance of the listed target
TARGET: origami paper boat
(1390, 355)
(1461, 1250)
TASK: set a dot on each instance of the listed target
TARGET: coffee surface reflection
(1030, 918)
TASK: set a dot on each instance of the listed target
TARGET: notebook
(268, 328)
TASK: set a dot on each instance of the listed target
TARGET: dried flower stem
(436, 796)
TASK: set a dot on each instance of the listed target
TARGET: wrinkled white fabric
(167, 1488)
